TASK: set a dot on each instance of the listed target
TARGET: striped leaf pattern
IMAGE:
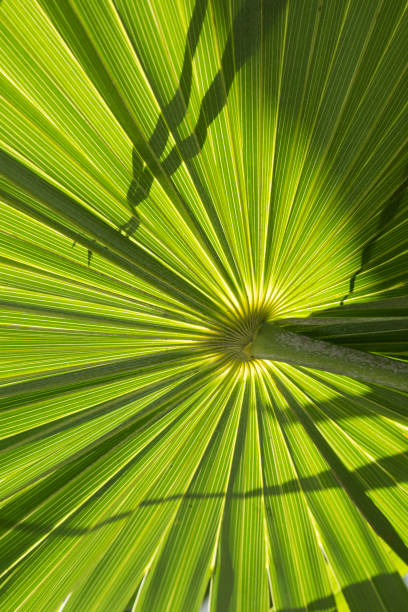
(174, 174)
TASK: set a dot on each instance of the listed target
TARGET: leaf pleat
(172, 176)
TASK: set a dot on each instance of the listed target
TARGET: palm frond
(176, 177)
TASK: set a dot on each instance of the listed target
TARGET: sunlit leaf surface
(174, 174)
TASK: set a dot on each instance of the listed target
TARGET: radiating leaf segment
(203, 270)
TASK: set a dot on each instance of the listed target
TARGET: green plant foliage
(178, 178)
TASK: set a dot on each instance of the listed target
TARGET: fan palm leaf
(203, 260)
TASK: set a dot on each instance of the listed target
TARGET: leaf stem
(274, 343)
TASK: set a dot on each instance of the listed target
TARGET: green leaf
(189, 192)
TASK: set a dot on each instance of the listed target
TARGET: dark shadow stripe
(388, 214)
(348, 480)
(70, 27)
(157, 408)
(322, 481)
(171, 116)
(253, 20)
(242, 43)
(56, 480)
(108, 241)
